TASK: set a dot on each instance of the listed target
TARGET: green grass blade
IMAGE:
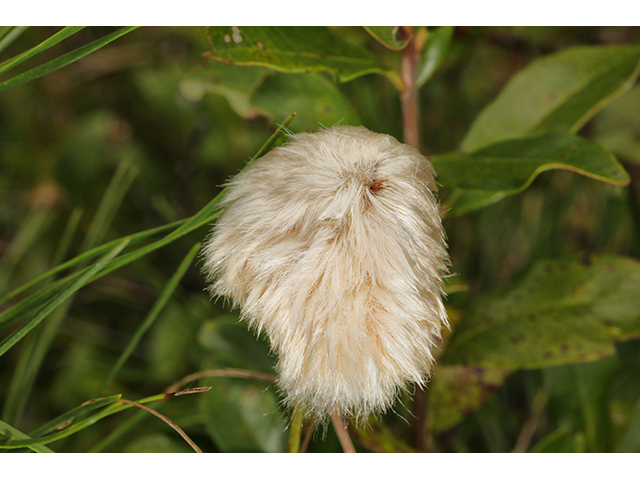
(203, 217)
(123, 430)
(65, 240)
(37, 345)
(151, 317)
(29, 232)
(135, 238)
(49, 42)
(9, 34)
(112, 408)
(64, 60)
(110, 203)
(65, 418)
(85, 278)
(11, 432)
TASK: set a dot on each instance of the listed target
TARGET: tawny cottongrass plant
(333, 245)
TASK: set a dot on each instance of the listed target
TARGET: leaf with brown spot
(562, 312)
(456, 391)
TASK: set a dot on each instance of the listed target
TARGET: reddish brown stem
(343, 434)
(409, 94)
(410, 118)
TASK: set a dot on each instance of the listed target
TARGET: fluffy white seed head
(333, 245)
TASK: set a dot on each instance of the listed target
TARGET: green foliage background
(107, 133)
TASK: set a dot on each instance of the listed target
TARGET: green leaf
(240, 415)
(378, 438)
(49, 42)
(244, 416)
(8, 35)
(293, 50)
(562, 312)
(64, 60)
(558, 92)
(509, 167)
(630, 440)
(560, 441)
(617, 126)
(59, 425)
(388, 36)
(8, 431)
(316, 99)
(236, 84)
(456, 391)
(434, 51)
(579, 396)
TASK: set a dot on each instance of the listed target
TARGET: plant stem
(410, 119)
(409, 94)
(295, 430)
(343, 434)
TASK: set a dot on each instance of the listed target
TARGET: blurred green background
(173, 125)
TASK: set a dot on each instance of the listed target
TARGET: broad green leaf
(317, 100)
(456, 391)
(240, 415)
(433, 52)
(562, 312)
(64, 60)
(236, 84)
(558, 92)
(630, 440)
(388, 36)
(378, 438)
(617, 126)
(509, 167)
(244, 416)
(292, 50)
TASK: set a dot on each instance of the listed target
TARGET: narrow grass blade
(110, 203)
(85, 278)
(49, 42)
(67, 236)
(37, 345)
(29, 232)
(9, 35)
(114, 406)
(64, 60)
(95, 252)
(203, 217)
(11, 432)
(59, 422)
(151, 317)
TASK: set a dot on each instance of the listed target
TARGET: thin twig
(343, 434)
(222, 372)
(531, 424)
(308, 435)
(166, 420)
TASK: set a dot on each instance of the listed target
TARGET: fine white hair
(333, 245)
